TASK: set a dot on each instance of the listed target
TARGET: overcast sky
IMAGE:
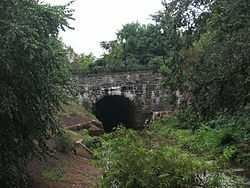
(99, 20)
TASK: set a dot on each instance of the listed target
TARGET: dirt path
(67, 171)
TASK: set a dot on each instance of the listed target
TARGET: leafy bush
(188, 119)
(34, 82)
(168, 131)
(224, 137)
(64, 142)
(235, 133)
(243, 153)
(89, 141)
(229, 152)
(128, 162)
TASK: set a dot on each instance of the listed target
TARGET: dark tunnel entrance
(115, 110)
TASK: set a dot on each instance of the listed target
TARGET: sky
(99, 20)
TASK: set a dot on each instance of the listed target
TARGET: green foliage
(128, 161)
(34, 82)
(53, 174)
(142, 50)
(187, 118)
(140, 42)
(201, 46)
(225, 137)
(74, 136)
(243, 156)
(156, 63)
(82, 63)
(64, 142)
(73, 108)
(210, 141)
(229, 153)
(208, 56)
(91, 142)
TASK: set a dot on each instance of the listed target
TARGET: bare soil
(77, 172)
(74, 120)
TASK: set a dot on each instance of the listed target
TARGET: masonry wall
(144, 89)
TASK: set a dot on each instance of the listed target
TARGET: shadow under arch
(114, 110)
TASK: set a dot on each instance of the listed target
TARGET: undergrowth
(53, 174)
(172, 156)
(167, 156)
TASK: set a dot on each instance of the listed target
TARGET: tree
(83, 62)
(208, 46)
(224, 60)
(34, 82)
(138, 41)
(141, 49)
(72, 55)
(111, 60)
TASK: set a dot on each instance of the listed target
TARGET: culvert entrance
(115, 110)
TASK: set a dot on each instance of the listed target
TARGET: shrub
(211, 138)
(188, 119)
(127, 162)
(243, 153)
(92, 142)
(64, 142)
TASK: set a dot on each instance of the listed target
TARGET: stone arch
(114, 110)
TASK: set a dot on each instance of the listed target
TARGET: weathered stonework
(144, 89)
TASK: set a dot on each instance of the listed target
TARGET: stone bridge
(126, 98)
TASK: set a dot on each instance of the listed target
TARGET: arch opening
(115, 110)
